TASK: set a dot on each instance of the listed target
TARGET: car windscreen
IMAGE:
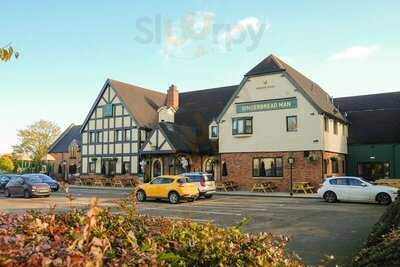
(34, 180)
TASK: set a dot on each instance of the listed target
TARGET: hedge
(99, 237)
(383, 245)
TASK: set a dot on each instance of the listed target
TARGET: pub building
(244, 133)
(374, 135)
(276, 113)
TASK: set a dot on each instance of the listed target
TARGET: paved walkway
(269, 194)
(229, 193)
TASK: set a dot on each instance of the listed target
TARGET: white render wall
(269, 127)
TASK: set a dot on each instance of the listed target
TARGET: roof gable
(61, 145)
(312, 91)
(141, 103)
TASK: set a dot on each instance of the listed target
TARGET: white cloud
(243, 25)
(355, 52)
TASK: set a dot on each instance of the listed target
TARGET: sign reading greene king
(265, 105)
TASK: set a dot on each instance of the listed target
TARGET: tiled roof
(142, 103)
(61, 145)
(316, 94)
(375, 119)
(182, 138)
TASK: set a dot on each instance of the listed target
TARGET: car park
(204, 181)
(54, 185)
(356, 189)
(173, 188)
(27, 187)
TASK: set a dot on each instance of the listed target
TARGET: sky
(69, 48)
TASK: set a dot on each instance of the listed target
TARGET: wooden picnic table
(305, 187)
(263, 186)
(226, 185)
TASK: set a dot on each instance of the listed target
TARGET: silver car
(204, 181)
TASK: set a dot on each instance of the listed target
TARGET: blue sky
(69, 48)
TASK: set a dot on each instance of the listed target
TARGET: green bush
(386, 253)
(383, 245)
(99, 237)
(390, 220)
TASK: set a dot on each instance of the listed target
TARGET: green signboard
(265, 105)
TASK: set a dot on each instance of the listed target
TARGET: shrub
(389, 220)
(383, 245)
(100, 237)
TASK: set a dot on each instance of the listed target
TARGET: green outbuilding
(374, 135)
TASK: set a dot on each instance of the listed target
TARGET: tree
(7, 52)
(6, 163)
(36, 139)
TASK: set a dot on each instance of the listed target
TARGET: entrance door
(110, 167)
(374, 170)
(157, 168)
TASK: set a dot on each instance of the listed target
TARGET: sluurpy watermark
(197, 33)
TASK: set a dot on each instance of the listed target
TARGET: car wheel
(330, 197)
(7, 193)
(173, 198)
(141, 196)
(27, 194)
(208, 196)
(383, 199)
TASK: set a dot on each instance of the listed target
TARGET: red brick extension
(239, 166)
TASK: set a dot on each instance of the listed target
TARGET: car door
(153, 187)
(341, 188)
(357, 191)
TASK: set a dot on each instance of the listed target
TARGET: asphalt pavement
(315, 228)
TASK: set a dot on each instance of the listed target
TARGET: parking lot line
(193, 211)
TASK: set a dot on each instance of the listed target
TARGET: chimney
(173, 97)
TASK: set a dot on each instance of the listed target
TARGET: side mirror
(364, 185)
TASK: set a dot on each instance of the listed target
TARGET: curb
(263, 195)
(101, 188)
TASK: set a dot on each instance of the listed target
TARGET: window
(127, 135)
(344, 129)
(335, 165)
(118, 136)
(291, 123)
(108, 110)
(126, 167)
(267, 167)
(242, 126)
(99, 137)
(92, 137)
(326, 162)
(335, 127)
(214, 131)
(92, 167)
(326, 124)
(355, 182)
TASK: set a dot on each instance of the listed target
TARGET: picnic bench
(226, 186)
(263, 186)
(389, 182)
(303, 187)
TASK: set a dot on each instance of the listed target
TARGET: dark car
(4, 179)
(26, 187)
(54, 185)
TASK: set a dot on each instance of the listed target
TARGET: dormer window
(214, 131)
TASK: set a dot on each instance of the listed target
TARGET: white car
(204, 181)
(356, 189)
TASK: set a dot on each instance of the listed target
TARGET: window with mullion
(242, 125)
(267, 167)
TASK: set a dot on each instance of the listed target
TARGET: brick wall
(240, 165)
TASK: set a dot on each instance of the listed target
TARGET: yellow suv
(173, 188)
